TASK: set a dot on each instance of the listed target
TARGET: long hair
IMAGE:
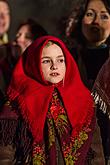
(73, 23)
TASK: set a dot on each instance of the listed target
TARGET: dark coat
(90, 61)
(9, 55)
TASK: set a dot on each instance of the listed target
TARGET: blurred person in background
(10, 52)
(101, 93)
(87, 34)
(27, 32)
(4, 21)
(8, 56)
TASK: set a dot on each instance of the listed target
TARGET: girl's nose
(53, 66)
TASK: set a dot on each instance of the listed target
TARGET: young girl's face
(53, 64)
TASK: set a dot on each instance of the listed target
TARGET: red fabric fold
(34, 93)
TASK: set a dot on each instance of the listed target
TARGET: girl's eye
(46, 61)
(60, 60)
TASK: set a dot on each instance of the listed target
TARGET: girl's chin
(55, 82)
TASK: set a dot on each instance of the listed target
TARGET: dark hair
(36, 29)
(74, 20)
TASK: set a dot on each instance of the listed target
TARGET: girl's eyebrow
(45, 57)
(50, 57)
(60, 56)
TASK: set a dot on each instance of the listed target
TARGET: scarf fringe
(24, 137)
(90, 112)
(7, 131)
(102, 105)
(13, 95)
(23, 143)
(86, 125)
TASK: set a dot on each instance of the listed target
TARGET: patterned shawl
(101, 89)
(34, 94)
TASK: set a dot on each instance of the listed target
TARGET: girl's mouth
(54, 74)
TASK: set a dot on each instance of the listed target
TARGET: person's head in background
(4, 20)
(27, 32)
(89, 22)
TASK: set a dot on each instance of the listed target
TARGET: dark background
(46, 12)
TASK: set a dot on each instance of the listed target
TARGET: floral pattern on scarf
(59, 127)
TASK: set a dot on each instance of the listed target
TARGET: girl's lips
(54, 74)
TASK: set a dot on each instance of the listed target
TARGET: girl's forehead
(52, 50)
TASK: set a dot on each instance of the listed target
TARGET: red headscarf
(34, 93)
